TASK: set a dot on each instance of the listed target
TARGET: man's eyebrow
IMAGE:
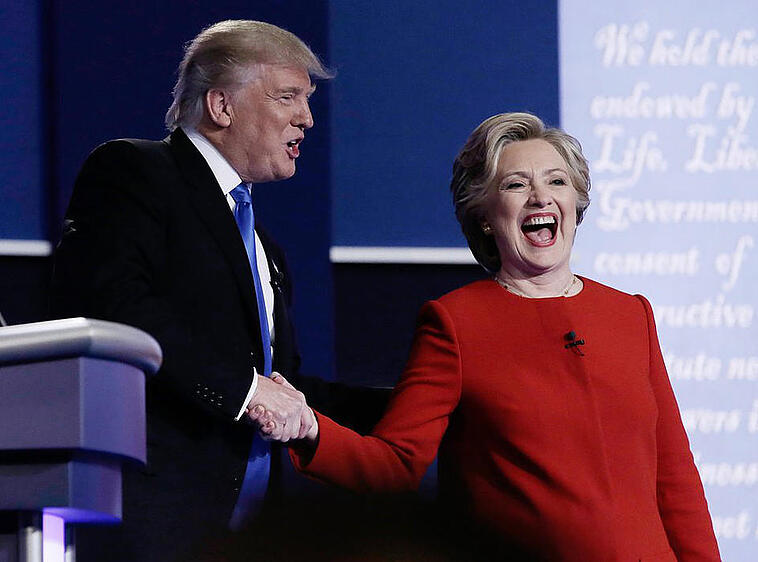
(297, 90)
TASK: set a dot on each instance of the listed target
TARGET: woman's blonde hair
(475, 172)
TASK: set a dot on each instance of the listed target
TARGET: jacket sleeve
(112, 263)
(356, 407)
(398, 451)
(107, 264)
(681, 501)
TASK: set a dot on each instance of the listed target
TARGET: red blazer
(567, 456)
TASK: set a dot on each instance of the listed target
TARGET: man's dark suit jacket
(149, 240)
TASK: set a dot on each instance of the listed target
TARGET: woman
(544, 393)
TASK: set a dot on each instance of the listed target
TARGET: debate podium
(72, 412)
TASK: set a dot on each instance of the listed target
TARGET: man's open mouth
(293, 147)
(540, 229)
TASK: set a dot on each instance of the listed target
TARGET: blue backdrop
(23, 193)
(414, 79)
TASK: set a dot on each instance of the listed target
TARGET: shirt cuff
(249, 396)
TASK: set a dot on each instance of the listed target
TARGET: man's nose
(303, 118)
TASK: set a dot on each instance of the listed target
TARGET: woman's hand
(276, 428)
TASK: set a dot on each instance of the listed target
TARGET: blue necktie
(254, 485)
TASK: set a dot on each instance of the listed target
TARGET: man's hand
(279, 409)
(270, 429)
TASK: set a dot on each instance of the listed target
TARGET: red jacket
(569, 453)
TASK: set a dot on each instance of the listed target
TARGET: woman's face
(532, 210)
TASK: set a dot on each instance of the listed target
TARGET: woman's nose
(539, 196)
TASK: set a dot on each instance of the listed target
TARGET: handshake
(280, 412)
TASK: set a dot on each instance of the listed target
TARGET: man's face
(269, 117)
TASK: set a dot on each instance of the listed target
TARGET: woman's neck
(554, 284)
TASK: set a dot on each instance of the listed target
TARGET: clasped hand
(280, 411)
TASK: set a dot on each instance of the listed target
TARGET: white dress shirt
(228, 179)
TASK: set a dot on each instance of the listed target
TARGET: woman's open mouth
(540, 229)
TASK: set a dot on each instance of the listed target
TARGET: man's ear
(218, 107)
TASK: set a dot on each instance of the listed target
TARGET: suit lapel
(211, 207)
(284, 346)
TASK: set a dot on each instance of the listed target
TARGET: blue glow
(53, 538)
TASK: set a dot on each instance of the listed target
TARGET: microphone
(277, 277)
(573, 342)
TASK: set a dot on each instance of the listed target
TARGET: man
(157, 236)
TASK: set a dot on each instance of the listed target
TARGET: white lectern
(72, 411)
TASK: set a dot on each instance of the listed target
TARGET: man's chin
(285, 173)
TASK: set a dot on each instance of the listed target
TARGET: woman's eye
(558, 181)
(512, 185)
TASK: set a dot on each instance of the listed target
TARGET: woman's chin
(536, 260)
